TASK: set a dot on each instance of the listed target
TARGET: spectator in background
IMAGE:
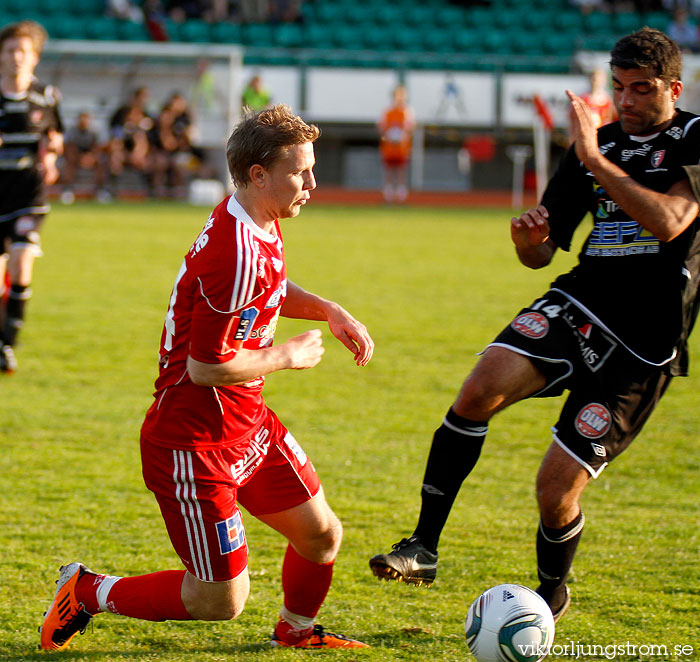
(82, 150)
(172, 147)
(396, 133)
(683, 31)
(129, 144)
(124, 9)
(255, 11)
(588, 6)
(598, 100)
(255, 96)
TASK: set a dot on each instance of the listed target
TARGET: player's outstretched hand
(530, 229)
(583, 129)
(352, 333)
(305, 350)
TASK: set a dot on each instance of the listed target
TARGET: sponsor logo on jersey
(675, 132)
(532, 324)
(262, 261)
(657, 158)
(611, 238)
(277, 295)
(231, 534)
(203, 239)
(593, 421)
(254, 455)
(277, 264)
(604, 149)
(598, 449)
(627, 154)
(245, 325)
(295, 448)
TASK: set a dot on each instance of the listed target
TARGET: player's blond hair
(261, 138)
(31, 29)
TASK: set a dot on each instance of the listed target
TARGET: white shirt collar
(235, 208)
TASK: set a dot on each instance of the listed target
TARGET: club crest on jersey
(531, 324)
(231, 534)
(657, 158)
(593, 421)
(245, 325)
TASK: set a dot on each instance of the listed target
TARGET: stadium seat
(420, 16)
(101, 27)
(568, 22)
(469, 41)
(318, 36)
(196, 31)
(597, 22)
(288, 35)
(50, 7)
(257, 34)
(496, 42)
(226, 33)
(450, 17)
(130, 31)
(408, 39)
(626, 22)
(65, 27)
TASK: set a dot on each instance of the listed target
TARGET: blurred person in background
(31, 139)
(255, 95)
(82, 151)
(599, 101)
(172, 147)
(129, 144)
(396, 128)
(684, 31)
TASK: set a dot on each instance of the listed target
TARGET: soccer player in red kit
(209, 442)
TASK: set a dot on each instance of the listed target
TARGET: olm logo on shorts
(532, 324)
(593, 421)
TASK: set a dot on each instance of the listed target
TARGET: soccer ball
(509, 623)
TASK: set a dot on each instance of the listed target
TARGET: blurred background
(151, 88)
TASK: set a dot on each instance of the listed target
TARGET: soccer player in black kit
(31, 138)
(612, 331)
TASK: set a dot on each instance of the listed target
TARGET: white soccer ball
(509, 623)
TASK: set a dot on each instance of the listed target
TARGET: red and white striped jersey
(227, 295)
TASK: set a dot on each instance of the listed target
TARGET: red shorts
(198, 491)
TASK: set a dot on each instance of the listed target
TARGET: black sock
(14, 312)
(455, 450)
(556, 549)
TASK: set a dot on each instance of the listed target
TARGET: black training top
(641, 288)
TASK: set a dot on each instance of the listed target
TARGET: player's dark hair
(649, 48)
(261, 138)
(31, 29)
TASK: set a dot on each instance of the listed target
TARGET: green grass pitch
(433, 286)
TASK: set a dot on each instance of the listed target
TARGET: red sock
(305, 583)
(154, 597)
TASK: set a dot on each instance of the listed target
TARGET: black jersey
(24, 120)
(641, 288)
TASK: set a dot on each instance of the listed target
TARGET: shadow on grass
(153, 648)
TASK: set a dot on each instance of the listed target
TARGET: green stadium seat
(408, 39)
(130, 31)
(496, 42)
(469, 41)
(480, 19)
(626, 22)
(50, 7)
(194, 30)
(257, 34)
(101, 27)
(349, 37)
(597, 22)
(420, 16)
(450, 17)
(226, 33)
(85, 8)
(318, 36)
(378, 37)
(329, 12)
(568, 22)
(559, 44)
(65, 27)
(289, 35)
(439, 40)
(388, 15)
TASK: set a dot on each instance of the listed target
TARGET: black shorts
(24, 194)
(22, 231)
(612, 390)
